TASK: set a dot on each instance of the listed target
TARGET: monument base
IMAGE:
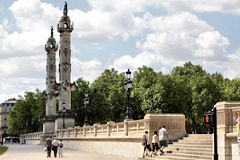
(49, 124)
(64, 120)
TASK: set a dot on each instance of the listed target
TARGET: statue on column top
(51, 31)
(65, 9)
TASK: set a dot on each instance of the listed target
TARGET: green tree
(77, 100)
(232, 89)
(204, 94)
(25, 114)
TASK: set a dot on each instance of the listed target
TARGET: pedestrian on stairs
(155, 142)
(163, 138)
(146, 144)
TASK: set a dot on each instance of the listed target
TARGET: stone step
(196, 136)
(195, 152)
(172, 158)
(173, 149)
(198, 142)
(189, 156)
(195, 140)
(191, 146)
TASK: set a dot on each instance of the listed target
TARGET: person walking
(146, 144)
(155, 142)
(55, 146)
(60, 146)
(163, 138)
(49, 146)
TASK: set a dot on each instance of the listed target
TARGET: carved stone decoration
(52, 68)
(73, 86)
(65, 51)
(65, 85)
(65, 67)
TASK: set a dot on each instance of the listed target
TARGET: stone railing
(175, 124)
(33, 136)
(123, 138)
(227, 114)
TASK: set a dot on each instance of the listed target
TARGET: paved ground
(35, 152)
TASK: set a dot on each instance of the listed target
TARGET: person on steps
(146, 144)
(155, 142)
(163, 138)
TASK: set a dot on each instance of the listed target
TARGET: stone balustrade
(122, 138)
(175, 124)
(36, 135)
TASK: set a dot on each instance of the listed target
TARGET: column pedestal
(67, 118)
(49, 124)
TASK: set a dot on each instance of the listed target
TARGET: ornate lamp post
(86, 102)
(26, 127)
(128, 86)
(39, 120)
(63, 111)
(32, 123)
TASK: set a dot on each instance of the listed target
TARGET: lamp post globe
(128, 74)
(128, 87)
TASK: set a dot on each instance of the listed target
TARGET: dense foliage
(188, 89)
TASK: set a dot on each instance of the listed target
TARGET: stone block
(49, 127)
(69, 122)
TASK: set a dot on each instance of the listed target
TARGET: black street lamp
(128, 87)
(63, 111)
(26, 127)
(86, 102)
(32, 123)
(39, 120)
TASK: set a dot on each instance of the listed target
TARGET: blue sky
(121, 34)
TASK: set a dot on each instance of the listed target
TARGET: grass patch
(3, 149)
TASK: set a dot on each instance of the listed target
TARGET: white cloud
(132, 6)
(222, 6)
(89, 70)
(176, 39)
(96, 26)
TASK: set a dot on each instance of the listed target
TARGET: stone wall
(122, 138)
(227, 114)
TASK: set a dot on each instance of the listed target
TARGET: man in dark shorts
(163, 138)
(146, 144)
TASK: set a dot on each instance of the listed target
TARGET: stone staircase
(192, 147)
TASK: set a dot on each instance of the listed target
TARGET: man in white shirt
(163, 138)
(55, 146)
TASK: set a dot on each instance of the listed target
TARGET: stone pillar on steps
(227, 114)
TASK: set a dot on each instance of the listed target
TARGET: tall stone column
(51, 48)
(67, 117)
